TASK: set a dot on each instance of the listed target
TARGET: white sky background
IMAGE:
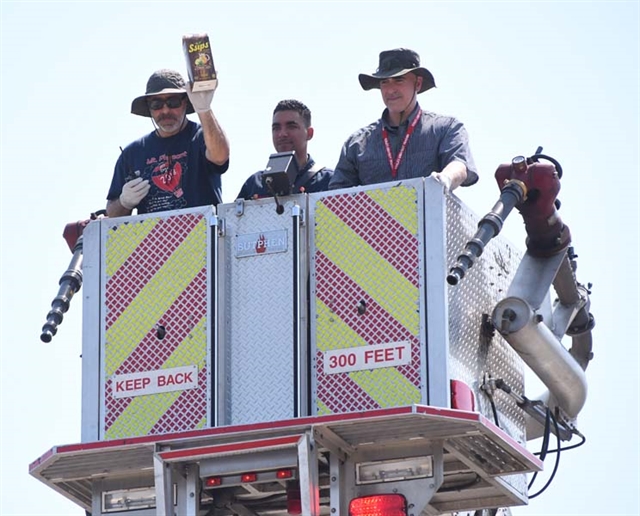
(563, 75)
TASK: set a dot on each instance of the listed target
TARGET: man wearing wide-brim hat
(178, 165)
(407, 141)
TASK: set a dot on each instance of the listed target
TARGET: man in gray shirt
(407, 141)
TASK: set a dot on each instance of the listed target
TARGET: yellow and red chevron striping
(372, 218)
(132, 275)
(340, 393)
(367, 251)
(150, 354)
(338, 295)
(156, 274)
(188, 411)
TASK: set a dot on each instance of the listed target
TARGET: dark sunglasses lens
(171, 102)
(174, 102)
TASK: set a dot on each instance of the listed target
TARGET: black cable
(484, 388)
(545, 451)
(494, 410)
(547, 434)
(269, 184)
(555, 162)
(545, 444)
(565, 448)
(556, 465)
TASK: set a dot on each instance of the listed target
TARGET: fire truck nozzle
(70, 283)
(532, 188)
(71, 280)
(489, 226)
(546, 233)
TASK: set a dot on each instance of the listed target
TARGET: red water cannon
(532, 188)
(71, 280)
(73, 231)
(547, 235)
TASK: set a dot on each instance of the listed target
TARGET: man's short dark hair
(298, 107)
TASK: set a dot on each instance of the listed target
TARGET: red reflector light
(213, 481)
(248, 477)
(284, 473)
(379, 505)
(462, 396)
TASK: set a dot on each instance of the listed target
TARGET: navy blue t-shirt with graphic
(179, 173)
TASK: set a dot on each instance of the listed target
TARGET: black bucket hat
(394, 63)
(161, 82)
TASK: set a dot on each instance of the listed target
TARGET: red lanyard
(394, 164)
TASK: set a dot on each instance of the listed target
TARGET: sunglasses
(171, 102)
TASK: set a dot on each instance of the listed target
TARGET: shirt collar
(385, 117)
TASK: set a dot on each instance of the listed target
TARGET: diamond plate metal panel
(472, 355)
(366, 281)
(257, 336)
(155, 318)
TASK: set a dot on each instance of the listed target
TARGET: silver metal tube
(543, 353)
(565, 284)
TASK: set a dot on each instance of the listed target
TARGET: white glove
(201, 100)
(443, 179)
(133, 192)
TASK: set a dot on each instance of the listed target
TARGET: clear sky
(562, 75)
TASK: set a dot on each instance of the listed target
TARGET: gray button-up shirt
(436, 141)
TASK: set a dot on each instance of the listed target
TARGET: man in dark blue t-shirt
(291, 129)
(179, 164)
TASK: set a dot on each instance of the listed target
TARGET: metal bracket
(222, 227)
(297, 211)
(239, 207)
